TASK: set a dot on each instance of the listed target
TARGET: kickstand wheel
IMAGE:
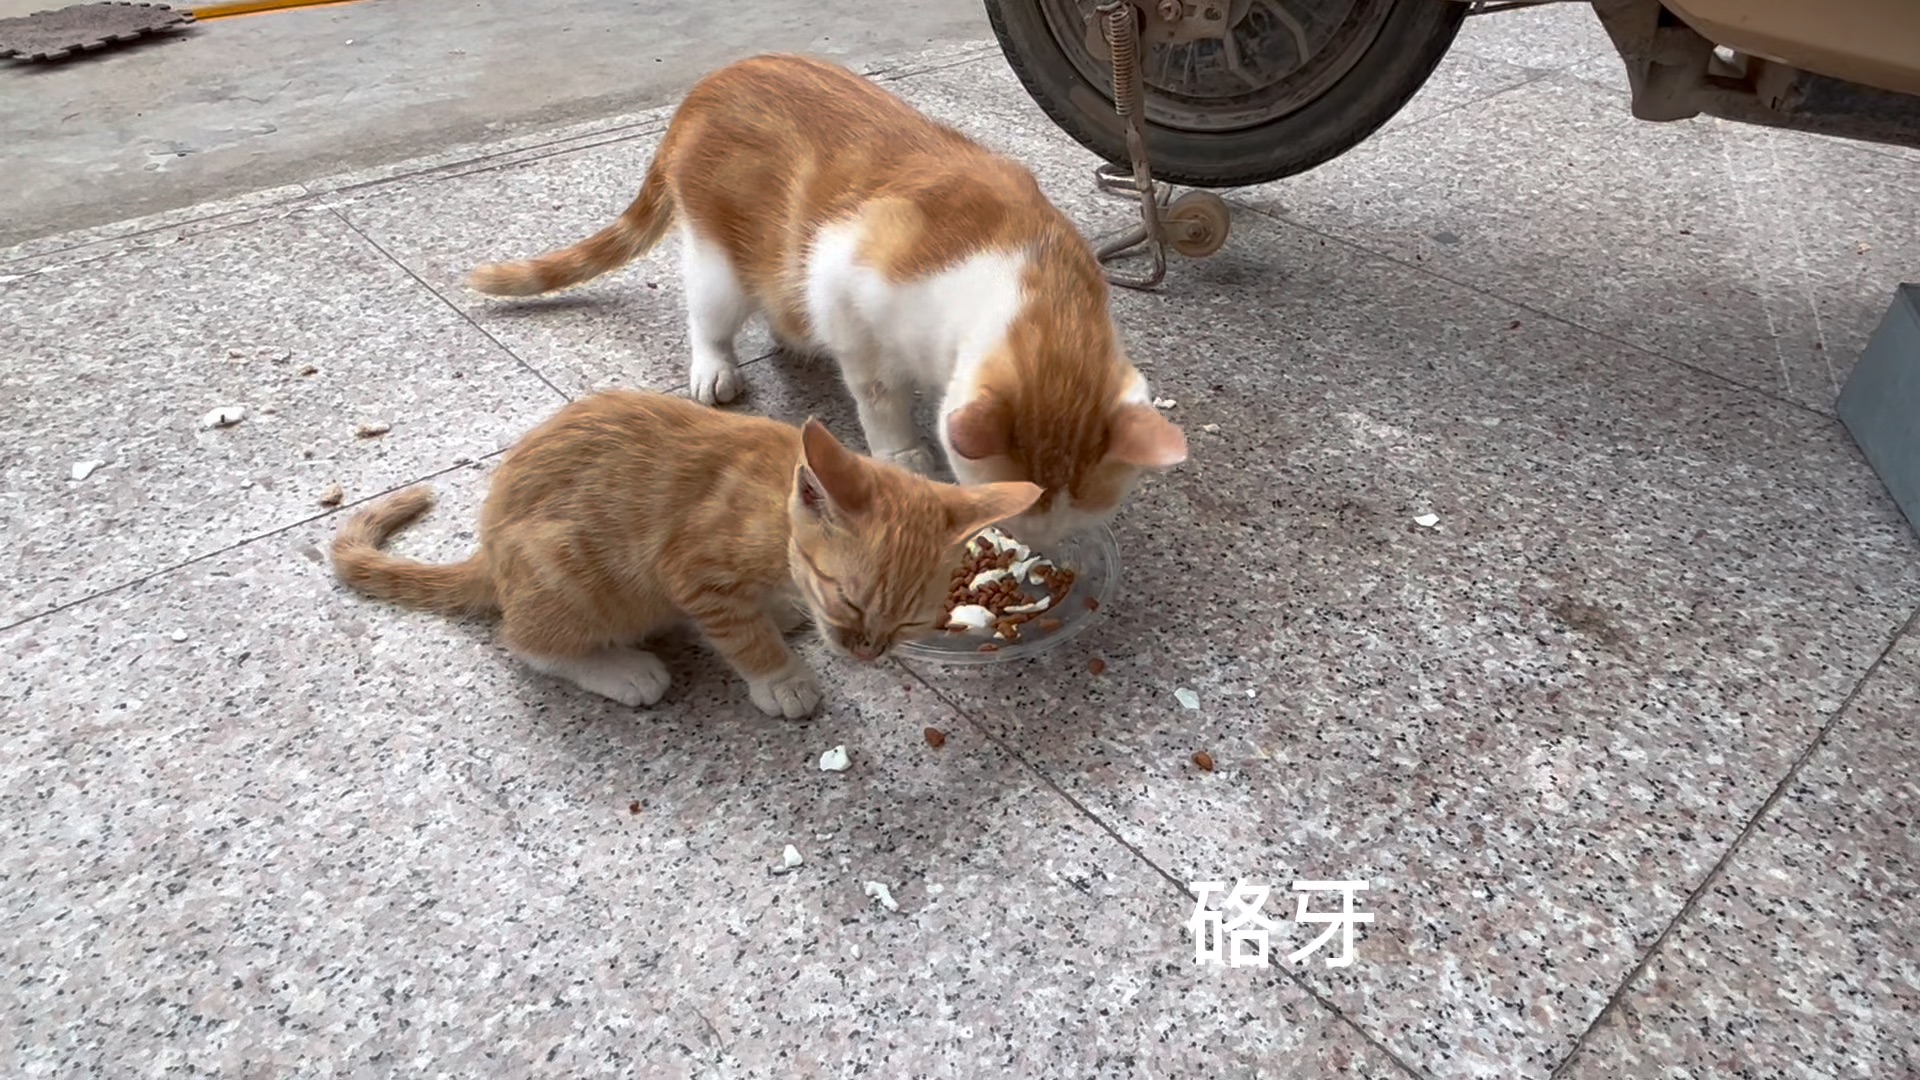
(1196, 224)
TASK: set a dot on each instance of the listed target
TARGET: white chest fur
(921, 333)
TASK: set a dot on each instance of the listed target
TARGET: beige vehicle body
(1849, 68)
(1875, 42)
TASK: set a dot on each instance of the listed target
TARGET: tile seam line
(309, 198)
(236, 545)
(1180, 887)
(1479, 290)
(486, 163)
(537, 151)
(309, 193)
(53, 253)
(1534, 75)
(1718, 871)
(447, 302)
(267, 534)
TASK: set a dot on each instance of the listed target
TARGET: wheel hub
(1223, 65)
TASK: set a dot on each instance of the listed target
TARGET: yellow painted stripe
(250, 7)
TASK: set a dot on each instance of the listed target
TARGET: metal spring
(1121, 40)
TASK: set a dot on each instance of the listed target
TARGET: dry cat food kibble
(989, 591)
(935, 737)
(1204, 760)
(1096, 665)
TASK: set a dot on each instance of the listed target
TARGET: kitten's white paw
(793, 693)
(916, 460)
(629, 676)
(715, 382)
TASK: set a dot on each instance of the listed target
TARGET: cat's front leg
(886, 418)
(743, 632)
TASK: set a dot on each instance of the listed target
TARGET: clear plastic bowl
(1094, 557)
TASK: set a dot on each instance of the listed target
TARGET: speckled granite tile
(240, 841)
(1765, 257)
(611, 128)
(1799, 959)
(1545, 38)
(131, 352)
(627, 328)
(1533, 729)
(1462, 79)
(253, 824)
(499, 154)
(81, 244)
(1607, 71)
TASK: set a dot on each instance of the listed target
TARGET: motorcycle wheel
(1295, 84)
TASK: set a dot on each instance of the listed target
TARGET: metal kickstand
(1123, 46)
(1195, 224)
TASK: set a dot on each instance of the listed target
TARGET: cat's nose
(865, 652)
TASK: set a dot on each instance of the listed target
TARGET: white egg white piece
(1041, 604)
(1003, 543)
(971, 616)
(879, 891)
(988, 577)
(1022, 571)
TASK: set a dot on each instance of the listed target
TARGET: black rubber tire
(1414, 37)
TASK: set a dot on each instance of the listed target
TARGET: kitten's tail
(632, 234)
(462, 588)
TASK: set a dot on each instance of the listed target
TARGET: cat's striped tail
(632, 234)
(462, 588)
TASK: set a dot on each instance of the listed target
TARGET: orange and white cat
(914, 256)
(628, 513)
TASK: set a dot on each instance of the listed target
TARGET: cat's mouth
(859, 648)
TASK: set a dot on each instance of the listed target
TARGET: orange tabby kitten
(914, 256)
(628, 512)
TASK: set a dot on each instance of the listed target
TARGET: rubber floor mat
(51, 35)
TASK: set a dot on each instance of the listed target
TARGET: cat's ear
(830, 477)
(980, 505)
(1138, 435)
(981, 428)
(810, 495)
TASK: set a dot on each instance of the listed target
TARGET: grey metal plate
(1880, 404)
(50, 35)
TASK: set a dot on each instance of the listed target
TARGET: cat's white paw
(916, 460)
(632, 677)
(714, 382)
(793, 693)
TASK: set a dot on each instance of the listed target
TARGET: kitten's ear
(1138, 435)
(981, 505)
(830, 476)
(981, 428)
(810, 495)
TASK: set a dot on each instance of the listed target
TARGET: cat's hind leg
(550, 629)
(717, 307)
(628, 675)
